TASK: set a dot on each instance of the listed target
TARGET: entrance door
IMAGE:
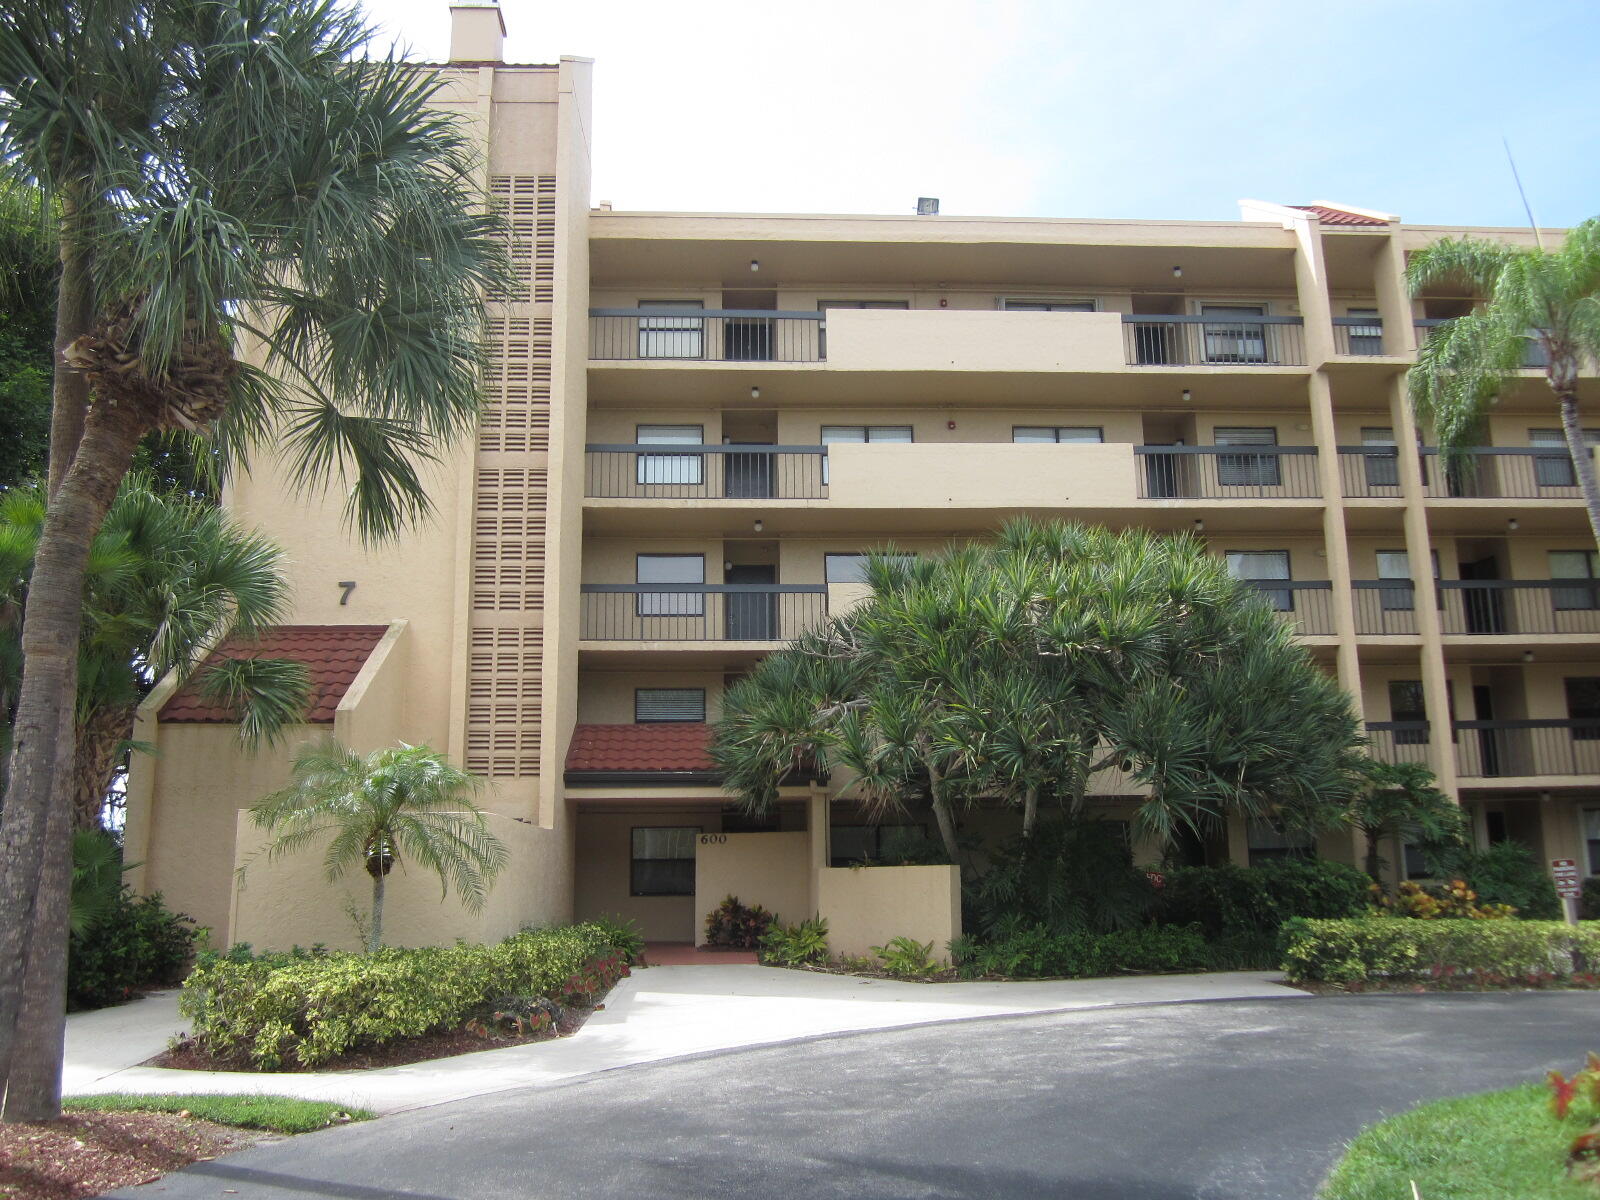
(748, 476)
(1484, 608)
(1488, 743)
(751, 616)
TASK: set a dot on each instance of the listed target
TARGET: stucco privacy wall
(868, 906)
(769, 869)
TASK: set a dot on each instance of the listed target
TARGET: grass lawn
(1495, 1146)
(278, 1114)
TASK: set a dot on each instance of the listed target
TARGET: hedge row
(1037, 952)
(281, 1010)
(1380, 949)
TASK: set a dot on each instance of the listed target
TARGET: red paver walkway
(682, 954)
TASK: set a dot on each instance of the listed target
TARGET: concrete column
(1419, 550)
(1335, 542)
(817, 813)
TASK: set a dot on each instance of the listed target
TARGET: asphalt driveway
(1211, 1100)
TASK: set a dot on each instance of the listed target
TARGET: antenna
(1526, 207)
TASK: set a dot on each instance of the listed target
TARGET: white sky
(1124, 108)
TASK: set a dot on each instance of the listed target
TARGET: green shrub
(1071, 874)
(136, 944)
(736, 925)
(796, 945)
(1393, 949)
(623, 934)
(1232, 903)
(907, 958)
(1508, 873)
(1589, 902)
(310, 1007)
(1037, 952)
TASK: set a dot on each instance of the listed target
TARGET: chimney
(477, 31)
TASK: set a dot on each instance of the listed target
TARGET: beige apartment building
(697, 423)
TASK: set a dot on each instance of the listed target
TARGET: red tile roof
(1338, 216)
(333, 654)
(656, 746)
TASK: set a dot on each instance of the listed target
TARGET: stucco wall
(769, 869)
(603, 858)
(867, 906)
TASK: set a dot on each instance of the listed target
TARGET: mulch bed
(443, 1043)
(85, 1154)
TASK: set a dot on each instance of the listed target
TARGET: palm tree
(396, 804)
(1548, 297)
(261, 238)
(1018, 670)
(167, 578)
(1399, 801)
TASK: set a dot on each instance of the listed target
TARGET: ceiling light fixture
(1511, 524)
(755, 393)
(1177, 272)
(1187, 395)
(759, 525)
(755, 265)
(1199, 525)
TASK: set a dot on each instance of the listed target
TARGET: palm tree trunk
(943, 817)
(50, 627)
(1566, 389)
(33, 1084)
(1030, 811)
(100, 740)
(375, 934)
(1373, 861)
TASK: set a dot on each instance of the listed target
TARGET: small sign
(1565, 873)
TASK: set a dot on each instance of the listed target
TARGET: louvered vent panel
(503, 702)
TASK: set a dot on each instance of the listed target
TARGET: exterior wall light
(1187, 395)
(1527, 656)
(755, 265)
(1177, 272)
(1511, 524)
(1199, 525)
(759, 525)
(755, 393)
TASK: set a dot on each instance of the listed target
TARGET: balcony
(1513, 749)
(1509, 607)
(1386, 607)
(666, 612)
(1398, 741)
(1306, 604)
(705, 335)
(1358, 337)
(1228, 473)
(1184, 341)
(1481, 473)
(664, 472)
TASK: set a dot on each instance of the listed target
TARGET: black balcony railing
(1384, 606)
(1227, 472)
(1534, 357)
(680, 472)
(705, 335)
(1398, 741)
(1358, 335)
(1516, 606)
(1307, 604)
(1370, 470)
(699, 612)
(1500, 473)
(1181, 341)
(1500, 749)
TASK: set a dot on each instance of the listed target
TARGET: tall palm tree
(1548, 297)
(261, 237)
(167, 578)
(402, 803)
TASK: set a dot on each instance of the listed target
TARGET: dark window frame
(638, 720)
(634, 861)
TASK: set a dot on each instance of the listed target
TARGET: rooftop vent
(927, 206)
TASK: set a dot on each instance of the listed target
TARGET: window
(1583, 705)
(1407, 706)
(652, 705)
(852, 568)
(671, 568)
(838, 435)
(663, 860)
(1365, 339)
(1047, 305)
(1382, 466)
(669, 468)
(1267, 840)
(1233, 338)
(1400, 596)
(1591, 838)
(1057, 433)
(662, 336)
(1416, 868)
(1253, 566)
(851, 844)
(1247, 470)
(1573, 564)
(1555, 470)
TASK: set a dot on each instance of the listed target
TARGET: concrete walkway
(658, 1013)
